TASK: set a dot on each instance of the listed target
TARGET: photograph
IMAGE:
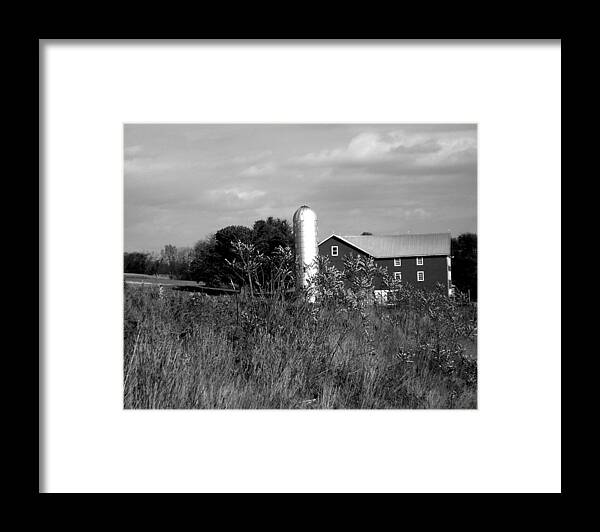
(300, 266)
(279, 286)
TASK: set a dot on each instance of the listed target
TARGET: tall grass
(187, 350)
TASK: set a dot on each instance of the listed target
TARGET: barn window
(419, 261)
(334, 251)
(397, 262)
(420, 276)
(397, 276)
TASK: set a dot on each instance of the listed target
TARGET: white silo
(305, 240)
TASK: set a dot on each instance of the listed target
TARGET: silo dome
(304, 212)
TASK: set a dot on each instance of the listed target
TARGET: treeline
(171, 261)
(208, 261)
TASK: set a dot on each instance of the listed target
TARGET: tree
(136, 262)
(169, 256)
(269, 234)
(225, 237)
(205, 262)
(154, 263)
(212, 258)
(464, 263)
(183, 263)
(208, 261)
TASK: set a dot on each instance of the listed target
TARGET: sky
(185, 181)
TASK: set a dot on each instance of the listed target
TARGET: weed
(266, 349)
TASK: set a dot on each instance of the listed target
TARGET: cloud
(180, 186)
(251, 158)
(229, 194)
(139, 166)
(260, 169)
(416, 213)
(130, 151)
(371, 146)
(397, 152)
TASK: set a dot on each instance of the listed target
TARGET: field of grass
(187, 350)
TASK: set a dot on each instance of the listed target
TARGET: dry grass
(199, 351)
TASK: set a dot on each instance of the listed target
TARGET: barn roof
(413, 245)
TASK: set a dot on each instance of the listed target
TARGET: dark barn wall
(435, 268)
(343, 250)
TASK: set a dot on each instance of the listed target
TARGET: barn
(422, 259)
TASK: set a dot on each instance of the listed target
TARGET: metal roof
(412, 245)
